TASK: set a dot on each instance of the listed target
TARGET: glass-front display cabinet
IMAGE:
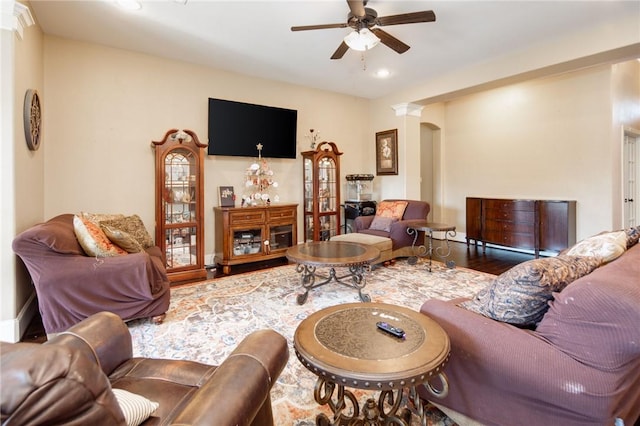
(321, 174)
(179, 204)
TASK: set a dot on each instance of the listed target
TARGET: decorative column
(409, 147)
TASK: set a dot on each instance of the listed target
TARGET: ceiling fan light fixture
(361, 40)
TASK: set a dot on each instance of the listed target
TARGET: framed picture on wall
(387, 152)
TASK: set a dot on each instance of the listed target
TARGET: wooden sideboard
(539, 225)
(253, 234)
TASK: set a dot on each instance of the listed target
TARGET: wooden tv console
(539, 225)
(254, 234)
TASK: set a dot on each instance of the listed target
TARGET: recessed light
(382, 73)
(129, 4)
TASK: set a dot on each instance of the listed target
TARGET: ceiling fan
(365, 23)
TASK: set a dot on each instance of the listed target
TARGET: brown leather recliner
(69, 380)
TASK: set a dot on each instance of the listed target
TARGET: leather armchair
(69, 380)
(401, 241)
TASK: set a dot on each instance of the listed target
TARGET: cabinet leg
(226, 269)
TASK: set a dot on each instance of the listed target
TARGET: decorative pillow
(136, 408)
(382, 223)
(519, 296)
(132, 225)
(93, 241)
(392, 209)
(633, 236)
(122, 239)
(98, 217)
(607, 246)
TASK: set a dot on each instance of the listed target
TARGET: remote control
(394, 331)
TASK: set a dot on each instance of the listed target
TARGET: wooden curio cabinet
(321, 207)
(179, 204)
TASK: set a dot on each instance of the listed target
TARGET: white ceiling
(254, 37)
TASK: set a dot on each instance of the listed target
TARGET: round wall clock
(32, 119)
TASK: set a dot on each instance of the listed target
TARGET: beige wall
(551, 138)
(22, 169)
(106, 105)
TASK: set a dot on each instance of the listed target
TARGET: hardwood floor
(493, 261)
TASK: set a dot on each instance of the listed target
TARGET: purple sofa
(579, 367)
(401, 241)
(72, 286)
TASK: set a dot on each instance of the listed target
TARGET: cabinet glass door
(179, 208)
(247, 241)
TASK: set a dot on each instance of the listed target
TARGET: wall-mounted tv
(235, 128)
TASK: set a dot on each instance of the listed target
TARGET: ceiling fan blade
(318, 27)
(340, 51)
(407, 18)
(390, 41)
(357, 8)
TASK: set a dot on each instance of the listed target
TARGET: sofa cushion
(595, 319)
(391, 209)
(606, 246)
(93, 240)
(519, 296)
(136, 408)
(380, 223)
(132, 225)
(122, 239)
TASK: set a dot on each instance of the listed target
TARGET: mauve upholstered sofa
(72, 286)
(580, 366)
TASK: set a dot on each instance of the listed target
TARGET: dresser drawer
(281, 213)
(509, 205)
(504, 238)
(250, 217)
(506, 226)
(523, 216)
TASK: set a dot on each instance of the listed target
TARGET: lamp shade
(361, 40)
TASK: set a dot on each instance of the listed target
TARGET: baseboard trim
(12, 330)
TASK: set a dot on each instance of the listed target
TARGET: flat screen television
(235, 128)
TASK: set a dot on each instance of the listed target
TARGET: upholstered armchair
(71, 285)
(391, 220)
(88, 376)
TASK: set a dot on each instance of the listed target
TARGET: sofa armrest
(401, 238)
(494, 363)
(105, 334)
(243, 381)
(362, 222)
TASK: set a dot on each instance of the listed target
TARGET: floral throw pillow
(391, 209)
(93, 240)
(519, 296)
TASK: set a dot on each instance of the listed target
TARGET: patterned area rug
(207, 320)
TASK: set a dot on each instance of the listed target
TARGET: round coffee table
(308, 256)
(343, 346)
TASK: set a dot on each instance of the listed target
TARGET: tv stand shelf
(254, 234)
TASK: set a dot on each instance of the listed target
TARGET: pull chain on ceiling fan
(367, 34)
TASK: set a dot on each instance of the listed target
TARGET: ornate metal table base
(385, 412)
(428, 250)
(309, 274)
